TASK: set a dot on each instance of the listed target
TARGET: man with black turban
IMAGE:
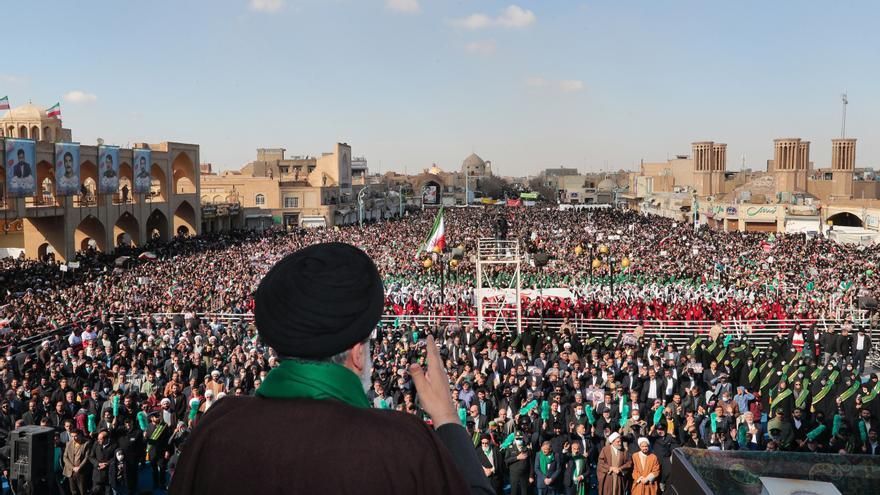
(310, 428)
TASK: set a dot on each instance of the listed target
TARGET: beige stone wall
(67, 222)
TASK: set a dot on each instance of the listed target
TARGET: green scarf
(752, 374)
(296, 379)
(779, 398)
(544, 461)
(801, 399)
(848, 393)
(579, 464)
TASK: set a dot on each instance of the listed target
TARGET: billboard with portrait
(66, 169)
(141, 170)
(431, 194)
(21, 169)
(108, 169)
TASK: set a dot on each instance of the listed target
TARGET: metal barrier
(678, 331)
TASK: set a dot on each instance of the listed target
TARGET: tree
(494, 187)
(538, 186)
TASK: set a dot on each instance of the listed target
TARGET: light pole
(609, 261)
(400, 200)
(467, 186)
(361, 205)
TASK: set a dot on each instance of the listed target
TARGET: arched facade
(45, 184)
(88, 179)
(157, 226)
(125, 193)
(90, 233)
(846, 219)
(158, 184)
(184, 219)
(126, 231)
(67, 224)
(183, 171)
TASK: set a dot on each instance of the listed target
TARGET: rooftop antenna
(845, 102)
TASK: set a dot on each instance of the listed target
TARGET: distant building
(301, 190)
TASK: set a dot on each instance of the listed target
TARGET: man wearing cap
(612, 467)
(645, 470)
(310, 427)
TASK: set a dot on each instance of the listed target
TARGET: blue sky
(525, 83)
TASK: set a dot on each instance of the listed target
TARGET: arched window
(260, 200)
(11, 131)
(47, 134)
(35, 133)
(22, 132)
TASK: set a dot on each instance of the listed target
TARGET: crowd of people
(114, 356)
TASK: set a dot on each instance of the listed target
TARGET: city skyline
(525, 84)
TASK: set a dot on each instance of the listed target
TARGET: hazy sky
(525, 83)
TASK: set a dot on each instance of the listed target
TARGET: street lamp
(438, 258)
(610, 261)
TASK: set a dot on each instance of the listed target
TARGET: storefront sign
(761, 212)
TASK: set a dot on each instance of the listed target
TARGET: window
(260, 200)
(291, 202)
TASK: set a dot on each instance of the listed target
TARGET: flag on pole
(4, 103)
(437, 237)
(54, 110)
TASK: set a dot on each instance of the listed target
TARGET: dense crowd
(549, 410)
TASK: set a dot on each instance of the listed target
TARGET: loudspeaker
(30, 458)
(541, 259)
(867, 302)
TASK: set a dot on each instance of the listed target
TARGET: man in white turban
(613, 466)
(645, 470)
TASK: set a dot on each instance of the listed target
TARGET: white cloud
(513, 17)
(77, 96)
(571, 85)
(536, 82)
(483, 47)
(266, 5)
(407, 6)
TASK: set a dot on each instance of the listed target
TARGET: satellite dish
(100, 142)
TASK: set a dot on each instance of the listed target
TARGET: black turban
(319, 301)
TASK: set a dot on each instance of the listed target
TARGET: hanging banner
(108, 169)
(20, 167)
(66, 169)
(142, 162)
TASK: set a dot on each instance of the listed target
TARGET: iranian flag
(437, 238)
(54, 110)
(4, 103)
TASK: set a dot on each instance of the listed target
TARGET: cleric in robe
(310, 428)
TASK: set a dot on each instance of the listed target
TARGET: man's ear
(356, 357)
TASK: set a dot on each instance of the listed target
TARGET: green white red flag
(54, 111)
(437, 237)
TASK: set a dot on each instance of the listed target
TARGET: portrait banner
(67, 169)
(21, 169)
(108, 169)
(141, 171)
